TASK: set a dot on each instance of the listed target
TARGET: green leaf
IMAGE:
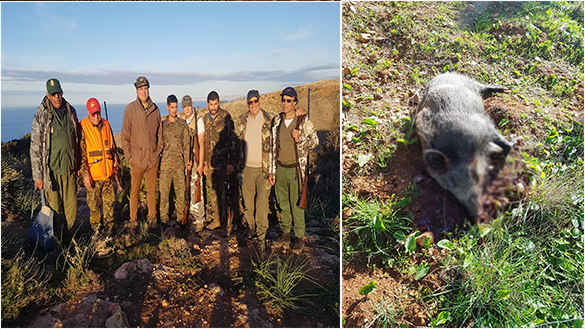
(427, 243)
(410, 243)
(346, 86)
(445, 244)
(379, 223)
(370, 121)
(443, 317)
(503, 122)
(421, 271)
(399, 236)
(368, 288)
(578, 323)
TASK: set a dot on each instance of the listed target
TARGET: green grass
(277, 281)
(377, 227)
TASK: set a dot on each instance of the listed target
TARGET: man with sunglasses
(253, 131)
(98, 160)
(55, 156)
(293, 137)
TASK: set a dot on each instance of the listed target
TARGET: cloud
(299, 34)
(125, 77)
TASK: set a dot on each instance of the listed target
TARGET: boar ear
(504, 144)
(436, 160)
(488, 91)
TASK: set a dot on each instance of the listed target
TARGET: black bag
(41, 230)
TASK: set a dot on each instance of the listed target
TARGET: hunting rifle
(116, 172)
(303, 198)
(192, 141)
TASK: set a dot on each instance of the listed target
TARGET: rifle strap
(298, 171)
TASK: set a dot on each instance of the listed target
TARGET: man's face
(173, 108)
(56, 99)
(213, 106)
(95, 118)
(254, 106)
(288, 104)
(188, 111)
(142, 93)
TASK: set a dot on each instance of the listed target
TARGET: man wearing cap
(174, 160)
(220, 158)
(99, 158)
(142, 144)
(293, 138)
(55, 155)
(196, 127)
(253, 131)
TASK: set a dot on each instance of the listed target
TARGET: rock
(216, 289)
(366, 37)
(421, 238)
(118, 320)
(346, 70)
(144, 265)
(470, 7)
(46, 321)
(163, 270)
(311, 238)
(125, 271)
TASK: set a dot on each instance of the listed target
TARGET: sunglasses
(287, 100)
(253, 102)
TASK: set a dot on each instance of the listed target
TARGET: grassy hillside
(403, 234)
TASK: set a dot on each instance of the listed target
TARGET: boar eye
(436, 160)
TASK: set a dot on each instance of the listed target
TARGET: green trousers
(63, 200)
(287, 194)
(256, 188)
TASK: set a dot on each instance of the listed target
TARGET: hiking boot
(131, 227)
(262, 246)
(298, 246)
(213, 225)
(199, 227)
(284, 240)
(151, 224)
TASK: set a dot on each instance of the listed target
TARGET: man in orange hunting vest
(99, 159)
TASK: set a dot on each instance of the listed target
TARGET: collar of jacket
(48, 105)
(149, 107)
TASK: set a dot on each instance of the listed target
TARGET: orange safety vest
(98, 147)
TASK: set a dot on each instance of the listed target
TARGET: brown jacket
(142, 134)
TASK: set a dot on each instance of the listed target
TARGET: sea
(17, 121)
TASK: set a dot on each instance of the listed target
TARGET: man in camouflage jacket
(175, 158)
(288, 161)
(55, 155)
(253, 131)
(220, 159)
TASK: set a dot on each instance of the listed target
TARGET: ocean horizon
(17, 121)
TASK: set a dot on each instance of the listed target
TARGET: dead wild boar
(459, 139)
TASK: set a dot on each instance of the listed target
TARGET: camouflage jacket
(221, 143)
(40, 141)
(308, 140)
(241, 133)
(175, 143)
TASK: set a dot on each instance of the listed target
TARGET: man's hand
(39, 184)
(299, 111)
(200, 169)
(230, 169)
(295, 134)
(190, 165)
(88, 182)
(271, 179)
(116, 161)
(206, 171)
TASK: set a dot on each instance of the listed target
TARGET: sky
(99, 49)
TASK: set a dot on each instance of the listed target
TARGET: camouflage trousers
(169, 174)
(101, 193)
(216, 196)
(196, 209)
(287, 193)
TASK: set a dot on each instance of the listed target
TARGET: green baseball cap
(187, 101)
(53, 86)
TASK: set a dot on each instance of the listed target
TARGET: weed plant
(277, 280)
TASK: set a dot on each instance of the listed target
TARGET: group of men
(267, 150)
